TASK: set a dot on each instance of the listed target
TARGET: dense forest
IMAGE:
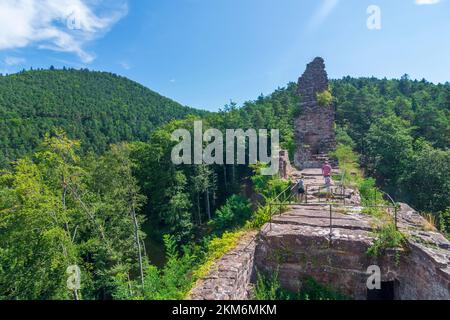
(98, 108)
(93, 192)
(401, 129)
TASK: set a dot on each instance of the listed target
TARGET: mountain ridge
(99, 108)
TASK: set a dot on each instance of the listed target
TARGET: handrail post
(306, 194)
(395, 217)
(331, 224)
(343, 193)
(270, 213)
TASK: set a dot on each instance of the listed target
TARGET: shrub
(444, 222)
(387, 237)
(348, 164)
(370, 194)
(234, 213)
(268, 288)
(216, 248)
(325, 98)
(169, 283)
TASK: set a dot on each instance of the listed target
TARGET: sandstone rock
(314, 129)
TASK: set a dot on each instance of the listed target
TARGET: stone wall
(231, 276)
(314, 129)
(300, 248)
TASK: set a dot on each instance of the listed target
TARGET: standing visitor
(326, 172)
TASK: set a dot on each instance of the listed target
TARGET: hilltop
(98, 108)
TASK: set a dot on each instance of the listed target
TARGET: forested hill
(401, 129)
(96, 107)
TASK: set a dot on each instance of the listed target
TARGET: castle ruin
(314, 128)
(330, 244)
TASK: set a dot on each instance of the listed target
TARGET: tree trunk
(138, 244)
(208, 205)
(233, 176)
(198, 209)
(225, 177)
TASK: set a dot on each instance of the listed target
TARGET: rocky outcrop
(310, 240)
(300, 244)
(314, 129)
(285, 168)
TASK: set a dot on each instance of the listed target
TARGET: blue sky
(204, 53)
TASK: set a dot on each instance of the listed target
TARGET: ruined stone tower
(314, 128)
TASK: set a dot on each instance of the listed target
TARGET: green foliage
(234, 213)
(425, 182)
(325, 98)
(348, 164)
(389, 147)
(169, 283)
(387, 237)
(57, 210)
(62, 205)
(215, 248)
(268, 288)
(342, 138)
(267, 186)
(261, 216)
(98, 108)
(370, 194)
(312, 290)
(390, 121)
(444, 222)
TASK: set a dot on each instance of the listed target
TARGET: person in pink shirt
(326, 169)
(326, 172)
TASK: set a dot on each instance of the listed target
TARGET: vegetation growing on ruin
(325, 98)
(268, 288)
(75, 199)
(386, 237)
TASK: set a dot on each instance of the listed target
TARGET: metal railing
(284, 199)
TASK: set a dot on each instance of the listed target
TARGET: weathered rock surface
(301, 244)
(285, 168)
(230, 277)
(314, 129)
(306, 241)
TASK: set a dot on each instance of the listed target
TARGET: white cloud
(322, 13)
(12, 61)
(60, 25)
(425, 2)
(125, 65)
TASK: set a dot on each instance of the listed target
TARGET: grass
(348, 164)
(386, 237)
(384, 228)
(430, 222)
(216, 248)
